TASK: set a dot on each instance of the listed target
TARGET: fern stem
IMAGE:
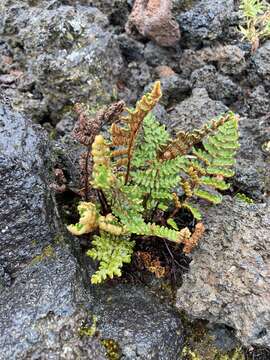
(86, 174)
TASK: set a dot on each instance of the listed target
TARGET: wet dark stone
(143, 326)
(43, 299)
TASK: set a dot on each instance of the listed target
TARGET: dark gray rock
(229, 282)
(253, 164)
(116, 10)
(156, 56)
(194, 111)
(205, 21)
(223, 337)
(258, 103)
(135, 77)
(174, 89)
(131, 49)
(24, 193)
(144, 327)
(228, 59)
(260, 63)
(66, 53)
(66, 125)
(219, 87)
(190, 61)
(43, 300)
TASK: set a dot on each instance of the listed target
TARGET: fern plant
(257, 21)
(142, 171)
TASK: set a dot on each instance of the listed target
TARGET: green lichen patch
(86, 330)
(113, 349)
(200, 344)
(47, 252)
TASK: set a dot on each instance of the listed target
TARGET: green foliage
(206, 169)
(153, 176)
(244, 198)
(257, 21)
(112, 252)
(138, 174)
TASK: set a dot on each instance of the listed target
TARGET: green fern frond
(215, 183)
(111, 252)
(139, 174)
(206, 195)
(214, 170)
(139, 227)
(257, 21)
(154, 177)
(194, 211)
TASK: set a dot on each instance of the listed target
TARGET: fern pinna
(142, 171)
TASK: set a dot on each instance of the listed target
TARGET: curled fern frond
(88, 219)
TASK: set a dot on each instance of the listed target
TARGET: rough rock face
(194, 111)
(261, 63)
(218, 86)
(229, 278)
(253, 162)
(68, 56)
(153, 19)
(229, 59)
(42, 301)
(205, 21)
(143, 327)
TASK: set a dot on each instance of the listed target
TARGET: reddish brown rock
(153, 19)
(164, 71)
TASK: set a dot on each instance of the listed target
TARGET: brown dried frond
(86, 127)
(192, 241)
(85, 131)
(119, 152)
(60, 185)
(127, 135)
(184, 141)
(121, 162)
(86, 167)
(152, 264)
(193, 173)
(120, 137)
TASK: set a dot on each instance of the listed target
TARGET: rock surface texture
(65, 54)
(153, 19)
(143, 327)
(43, 299)
(229, 277)
(205, 21)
